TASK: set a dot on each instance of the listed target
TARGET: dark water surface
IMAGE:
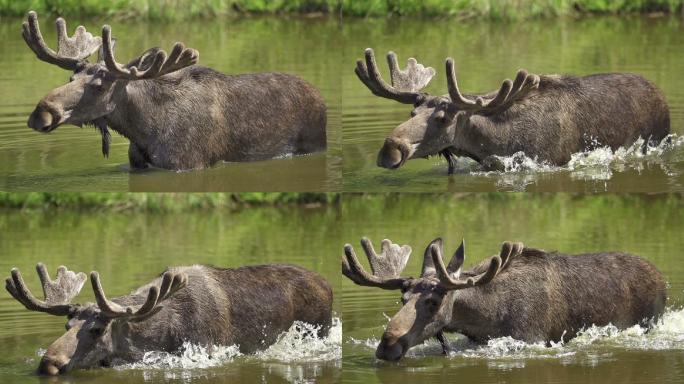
(648, 226)
(486, 53)
(70, 159)
(130, 249)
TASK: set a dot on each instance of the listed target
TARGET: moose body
(247, 307)
(525, 293)
(219, 118)
(176, 114)
(548, 117)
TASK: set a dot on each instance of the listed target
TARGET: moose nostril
(390, 156)
(389, 350)
(40, 119)
(47, 367)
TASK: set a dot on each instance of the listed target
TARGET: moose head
(96, 334)
(429, 302)
(95, 89)
(438, 124)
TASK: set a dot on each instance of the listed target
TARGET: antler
(170, 283)
(496, 265)
(505, 97)
(58, 293)
(71, 51)
(385, 267)
(406, 84)
(153, 63)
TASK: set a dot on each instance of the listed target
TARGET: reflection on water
(486, 53)
(70, 159)
(649, 226)
(129, 249)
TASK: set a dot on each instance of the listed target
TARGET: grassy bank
(484, 9)
(158, 202)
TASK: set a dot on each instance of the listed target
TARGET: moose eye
(96, 331)
(440, 116)
(431, 303)
(413, 113)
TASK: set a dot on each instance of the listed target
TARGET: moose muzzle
(393, 153)
(52, 364)
(390, 349)
(44, 119)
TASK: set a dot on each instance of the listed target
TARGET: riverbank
(460, 9)
(159, 202)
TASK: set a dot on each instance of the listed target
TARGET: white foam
(300, 344)
(596, 164)
(590, 344)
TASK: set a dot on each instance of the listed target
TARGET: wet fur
(248, 306)
(568, 114)
(545, 296)
(196, 117)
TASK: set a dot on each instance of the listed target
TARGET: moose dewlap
(248, 307)
(528, 294)
(548, 117)
(176, 114)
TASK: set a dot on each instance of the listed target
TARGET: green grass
(158, 202)
(486, 9)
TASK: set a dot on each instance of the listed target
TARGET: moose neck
(467, 314)
(137, 111)
(479, 137)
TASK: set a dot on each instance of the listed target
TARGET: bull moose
(548, 117)
(528, 294)
(248, 306)
(177, 115)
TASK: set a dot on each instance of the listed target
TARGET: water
(70, 159)
(129, 249)
(485, 54)
(649, 226)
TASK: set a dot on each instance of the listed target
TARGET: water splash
(598, 164)
(589, 345)
(300, 344)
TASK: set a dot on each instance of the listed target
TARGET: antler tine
(455, 94)
(71, 51)
(107, 307)
(170, 283)
(452, 284)
(162, 64)
(355, 272)
(117, 69)
(505, 97)
(57, 294)
(180, 57)
(405, 84)
(509, 251)
(522, 85)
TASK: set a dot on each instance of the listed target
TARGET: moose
(248, 307)
(177, 115)
(548, 117)
(525, 293)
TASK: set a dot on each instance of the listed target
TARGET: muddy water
(487, 53)
(644, 225)
(129, 249)
(70, 159)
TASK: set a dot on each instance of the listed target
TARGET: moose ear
(144, 61)
(428, 264)
(457, 260)
(100, 52)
